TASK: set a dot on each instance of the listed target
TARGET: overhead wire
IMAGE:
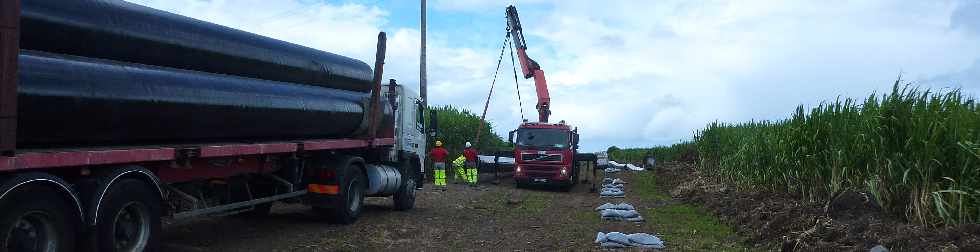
(520, 102)
(492, 84)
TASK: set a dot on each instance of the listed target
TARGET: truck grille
(540, 157)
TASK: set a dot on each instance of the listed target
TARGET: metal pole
(422, 75)
(423, 88)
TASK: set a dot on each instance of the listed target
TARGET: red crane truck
(106, 127)
(545, 153)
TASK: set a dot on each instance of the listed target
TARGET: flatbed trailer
(113, 198)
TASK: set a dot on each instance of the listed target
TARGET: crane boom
(529, 67)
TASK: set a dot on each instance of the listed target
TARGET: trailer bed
(71, 157)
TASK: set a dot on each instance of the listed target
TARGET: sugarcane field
(383, 125)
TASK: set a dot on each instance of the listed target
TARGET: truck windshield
(542, 138)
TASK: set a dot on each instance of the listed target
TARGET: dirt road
(489, 217)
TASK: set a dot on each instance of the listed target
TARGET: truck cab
(545, 154)
(410, 144)
(409, 127)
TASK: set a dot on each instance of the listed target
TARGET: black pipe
(72, 101)
(117, 30)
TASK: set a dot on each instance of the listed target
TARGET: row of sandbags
(616, 188)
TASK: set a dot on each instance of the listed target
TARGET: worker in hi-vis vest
(472, 174)
(459, 169)
(439, 155)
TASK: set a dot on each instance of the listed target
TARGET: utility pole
(422, 75)
(430, 134)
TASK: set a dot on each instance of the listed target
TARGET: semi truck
(114, 116)
(545, 153)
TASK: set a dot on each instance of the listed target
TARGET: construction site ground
(498, 217)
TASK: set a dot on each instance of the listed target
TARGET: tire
(38, 217)
(128, 219)
(405, 197)
(350, 199)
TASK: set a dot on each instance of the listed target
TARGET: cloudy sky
(638, 73)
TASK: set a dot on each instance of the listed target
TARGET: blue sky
(639, 73)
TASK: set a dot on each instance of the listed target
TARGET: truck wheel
(129, 218)
(405, 197)
(37, 219)
(350, 199)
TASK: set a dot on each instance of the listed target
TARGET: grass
(683, 227)
(917, 152)
(648, 188)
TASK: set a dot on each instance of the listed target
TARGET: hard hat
(438, 143)
(468, 145)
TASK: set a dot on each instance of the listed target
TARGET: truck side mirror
(575, 139)
(433, 123)
(510, 136)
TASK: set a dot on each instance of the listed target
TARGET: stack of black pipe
(106, 72)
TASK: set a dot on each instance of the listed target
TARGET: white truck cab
(409, 126)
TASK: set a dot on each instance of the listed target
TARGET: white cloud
(641, 73)
(734, 61)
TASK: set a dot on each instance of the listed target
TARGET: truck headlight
(518, 170)
(564, 171)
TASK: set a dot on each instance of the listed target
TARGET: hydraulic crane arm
(529, 67)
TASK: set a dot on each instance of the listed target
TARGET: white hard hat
(468, 145)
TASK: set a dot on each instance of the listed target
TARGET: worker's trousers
(439, 171)
(459, 173)
(472, 174)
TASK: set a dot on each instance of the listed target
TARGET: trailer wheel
(37, 219)
(350, 199)
(405, 197)
(129, 219)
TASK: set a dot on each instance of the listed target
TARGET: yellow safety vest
(460, 161)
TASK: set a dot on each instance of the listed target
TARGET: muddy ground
(487, 218)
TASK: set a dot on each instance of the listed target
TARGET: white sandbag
(617, 237)
(600, 237)
(620, 206)
(617, 186)
(605, 206)
(618, 214)
(611, 192)
(634, 168)
(645, 240)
